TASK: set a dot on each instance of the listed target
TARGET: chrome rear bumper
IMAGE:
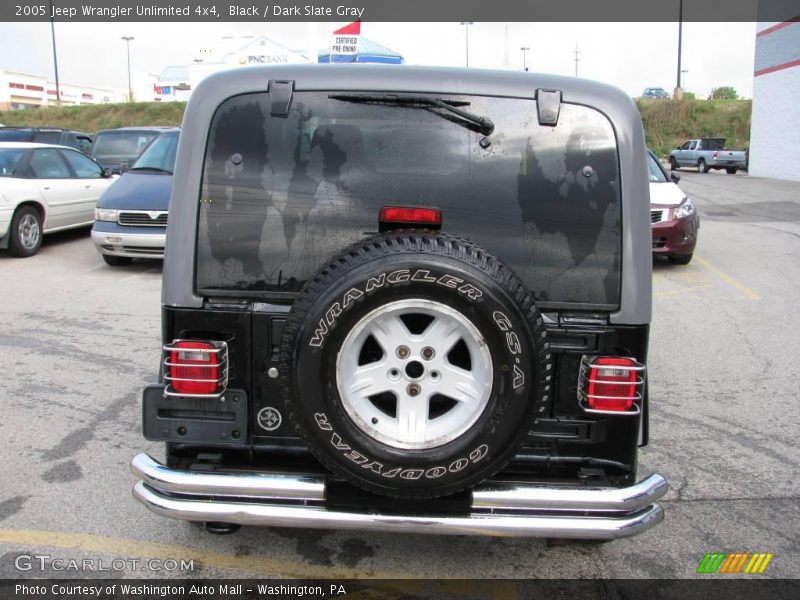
(498, 508)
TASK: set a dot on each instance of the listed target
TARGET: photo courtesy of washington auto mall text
(132, 589)
(384, 299)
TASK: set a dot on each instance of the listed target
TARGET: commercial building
(24, 91)
(775, 128)
(177, 81)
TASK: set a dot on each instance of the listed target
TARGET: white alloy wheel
(414, 374)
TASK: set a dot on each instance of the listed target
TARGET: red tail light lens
(413, 215)
(194, 368)
(715, 155)
(613, 383)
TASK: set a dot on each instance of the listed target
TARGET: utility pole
(506, 64)
(55, 55)
(678, 95)
(128, 39)
(576, 58)
(524, 58)
(466, 25)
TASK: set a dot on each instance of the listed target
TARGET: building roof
(177, 73)
(368, 51)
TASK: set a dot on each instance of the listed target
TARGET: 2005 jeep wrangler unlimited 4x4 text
(405, 299)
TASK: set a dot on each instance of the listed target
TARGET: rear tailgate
(728, 157)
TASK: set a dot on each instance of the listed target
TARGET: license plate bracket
(208, 421)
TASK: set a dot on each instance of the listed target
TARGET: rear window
(15, 135)
(282, 195)
(116, 146)
(47, 137)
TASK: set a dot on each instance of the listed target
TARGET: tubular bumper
(498, 509)
(509, 509)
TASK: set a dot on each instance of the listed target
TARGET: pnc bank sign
(263, 59)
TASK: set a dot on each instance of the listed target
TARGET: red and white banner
(345, 39)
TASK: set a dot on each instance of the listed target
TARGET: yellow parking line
(728, 279)
(256, 564)
(681, 291)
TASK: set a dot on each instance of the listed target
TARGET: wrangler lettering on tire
(413, 364)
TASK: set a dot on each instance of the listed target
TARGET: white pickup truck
(706, 154)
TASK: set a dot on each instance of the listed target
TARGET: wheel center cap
(414, 369)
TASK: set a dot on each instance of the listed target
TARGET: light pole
(576, 53)
(55, 56)
(128, 39)
(466, 25)
(524, 58)
(678, 95)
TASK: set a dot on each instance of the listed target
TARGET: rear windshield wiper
(158, 169)
(483, 125)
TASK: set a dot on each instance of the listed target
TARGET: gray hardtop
(178, 288)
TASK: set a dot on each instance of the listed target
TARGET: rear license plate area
(208, 421)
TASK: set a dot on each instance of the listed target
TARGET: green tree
(725, 92)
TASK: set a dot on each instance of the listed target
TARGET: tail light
(195, 368)
(411, 215)
(611, 384)
(715, 155)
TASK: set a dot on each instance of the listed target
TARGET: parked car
(706, 154)
(48, 135)
(131, 217)
(118, 149)
(45, 188)
(405, 299)
(655, 92)
(674, 216)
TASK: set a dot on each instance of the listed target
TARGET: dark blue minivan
(131, 216)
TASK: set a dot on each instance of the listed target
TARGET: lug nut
(413, 389)
(403, 351)
(428, 353)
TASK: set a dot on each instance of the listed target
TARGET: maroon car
(674, 217)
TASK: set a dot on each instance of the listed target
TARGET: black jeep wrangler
(405, 299)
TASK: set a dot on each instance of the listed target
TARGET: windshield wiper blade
(159, 169)
(484, 125)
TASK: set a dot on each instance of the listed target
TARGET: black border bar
(264, 11)
(707, 588)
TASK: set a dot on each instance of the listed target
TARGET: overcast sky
(631, 56)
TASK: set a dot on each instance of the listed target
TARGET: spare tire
(413, 364)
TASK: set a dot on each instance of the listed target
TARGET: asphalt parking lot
(80, 339)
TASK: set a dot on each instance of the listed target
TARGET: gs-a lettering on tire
(414, 364)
